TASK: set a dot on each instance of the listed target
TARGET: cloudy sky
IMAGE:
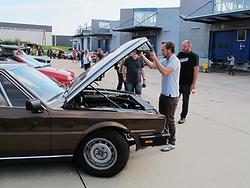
(66, 15)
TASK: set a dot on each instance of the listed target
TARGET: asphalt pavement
(212, 145)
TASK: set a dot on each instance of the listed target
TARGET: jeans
(167, 107)
(133, 87)
(185, 92)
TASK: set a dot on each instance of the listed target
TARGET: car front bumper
(156, 139)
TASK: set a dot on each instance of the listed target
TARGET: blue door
(241, 46)
(236, 42)
(222, 45)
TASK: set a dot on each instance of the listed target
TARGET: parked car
(43, 59)
(95, 126)
(60, 75)
(68, 55)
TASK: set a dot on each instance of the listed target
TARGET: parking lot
(212, 146)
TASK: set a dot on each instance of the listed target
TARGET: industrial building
(157, 24)
(62, 40)
(99, 35)
(217, 28)
(38, 34)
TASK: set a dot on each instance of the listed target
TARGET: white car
(68, 55)
(43, 59)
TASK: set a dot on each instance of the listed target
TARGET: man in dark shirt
(188, 75)
(133, 70)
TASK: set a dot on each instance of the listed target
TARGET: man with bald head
(188, 76)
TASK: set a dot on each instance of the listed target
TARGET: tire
(104, 153)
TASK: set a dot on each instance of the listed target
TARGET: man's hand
(142, 55)
(192, 88)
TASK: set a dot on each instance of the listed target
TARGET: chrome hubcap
(100, 154)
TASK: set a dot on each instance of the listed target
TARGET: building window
(241, 35)
(222, 6)
(104, 25)
(145, 17)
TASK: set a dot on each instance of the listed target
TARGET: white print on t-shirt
(184, 60)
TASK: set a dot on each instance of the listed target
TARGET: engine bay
(93, 99)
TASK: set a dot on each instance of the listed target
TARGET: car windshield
(31, 61)
(42, 85)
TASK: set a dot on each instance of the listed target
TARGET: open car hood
(89, 76)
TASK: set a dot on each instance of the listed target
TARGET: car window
(3, 101)
(29, 60)
(37, 82)
(16, 97)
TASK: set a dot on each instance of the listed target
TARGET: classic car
(61, 75)
(16, 53)
(68, 55)
(94, 125)
(43, 59)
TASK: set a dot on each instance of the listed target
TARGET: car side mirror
(34, 105)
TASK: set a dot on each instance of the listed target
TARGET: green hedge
(64, 48)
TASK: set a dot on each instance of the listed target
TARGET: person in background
(100, 53)
(169, 67)
(74, 55)
(133, 70)
(188, 76)
(85, 60)
(40, 51)
(118, 68)
(231, 61)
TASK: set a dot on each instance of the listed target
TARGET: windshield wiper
(57, 95)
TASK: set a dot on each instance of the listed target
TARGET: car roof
(14, 47)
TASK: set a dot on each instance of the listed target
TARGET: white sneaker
(168, 147)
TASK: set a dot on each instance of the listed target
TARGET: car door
(22, 133)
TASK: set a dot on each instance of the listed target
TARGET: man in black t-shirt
(188, 75)
(133, 70)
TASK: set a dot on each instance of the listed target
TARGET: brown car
(41, 119)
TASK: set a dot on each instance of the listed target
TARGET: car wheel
(104, 153)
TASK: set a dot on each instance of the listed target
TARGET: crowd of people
(34, 50)
(85, 58)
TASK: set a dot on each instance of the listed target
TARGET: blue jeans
(133, 87)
